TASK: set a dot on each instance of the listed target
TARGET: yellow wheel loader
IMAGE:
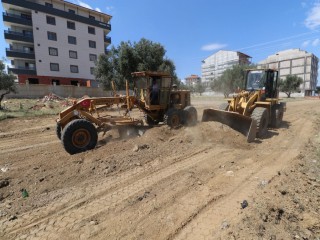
(253, 109)
(154, 94)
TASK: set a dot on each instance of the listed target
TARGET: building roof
(91, 10)
(193, 76)
(226, 51)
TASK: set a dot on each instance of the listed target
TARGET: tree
(290, 84)
(7, 84)
(199, 88)
(118, 64)
(231, 80)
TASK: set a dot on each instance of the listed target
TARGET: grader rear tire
(190, 116)
(78, 136)
(172, 118)
(262, 117)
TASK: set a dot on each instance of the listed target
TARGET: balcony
(107, 39)
(18, 36)
(19, 53)
(18, 19)
(23, 70)
(57, 12)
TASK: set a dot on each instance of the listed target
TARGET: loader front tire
(78, 136)
(223, 106)
(262, 117)
(172, 118)
(190, 116)
(277, 116)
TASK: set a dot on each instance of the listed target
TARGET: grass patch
(19, 108)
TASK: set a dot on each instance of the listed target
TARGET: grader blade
(243, 124)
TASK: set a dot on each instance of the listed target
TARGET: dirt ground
(187, 183)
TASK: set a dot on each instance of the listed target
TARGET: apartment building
(54, 41)
(295, 62)
(214, 65)
(192, 80)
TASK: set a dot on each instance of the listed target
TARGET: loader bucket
(243, 124)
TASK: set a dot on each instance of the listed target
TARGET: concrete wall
(40, 90)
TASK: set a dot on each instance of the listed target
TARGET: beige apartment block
(295, 62)
(54, 41)
(214, 65)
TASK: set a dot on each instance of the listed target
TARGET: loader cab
(263, 79)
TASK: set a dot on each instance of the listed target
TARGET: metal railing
(107, 39)
(23, 68)
(19, 50)
(29, 35)
(17, 16)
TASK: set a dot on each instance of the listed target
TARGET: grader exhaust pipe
(243, 124)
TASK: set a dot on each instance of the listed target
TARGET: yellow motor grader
(153, 93)
(254, 108)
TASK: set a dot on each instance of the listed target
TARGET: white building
(192, 80)
(214, 65)
(295, 62)
(54, 41)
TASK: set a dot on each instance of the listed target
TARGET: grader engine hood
(243, 124)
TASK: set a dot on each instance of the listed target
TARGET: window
(72, 11)
(91, 30)
(92, 44)
(54, 67)
(71, 25)
(48, 4)
(74, 69)
(93, 57)
(73, 54)
(92, 70)
(53, 51)
(52, 36)
(92, 17)
(72, 40)
(51, 20)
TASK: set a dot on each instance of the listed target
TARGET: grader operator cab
(79, 124)
(253, 109)
(161, 101)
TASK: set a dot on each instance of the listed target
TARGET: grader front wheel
(78, 136)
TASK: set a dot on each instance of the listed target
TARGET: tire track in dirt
(207, 224)
(71, 216)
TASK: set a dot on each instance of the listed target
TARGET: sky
(192, 30)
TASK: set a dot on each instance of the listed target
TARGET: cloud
(316, 42)
(313, 19)
(83, 4)
(213, 46)
(305, 44)
(109, 8)
(97, 9)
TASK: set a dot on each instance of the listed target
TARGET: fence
(40, 90)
